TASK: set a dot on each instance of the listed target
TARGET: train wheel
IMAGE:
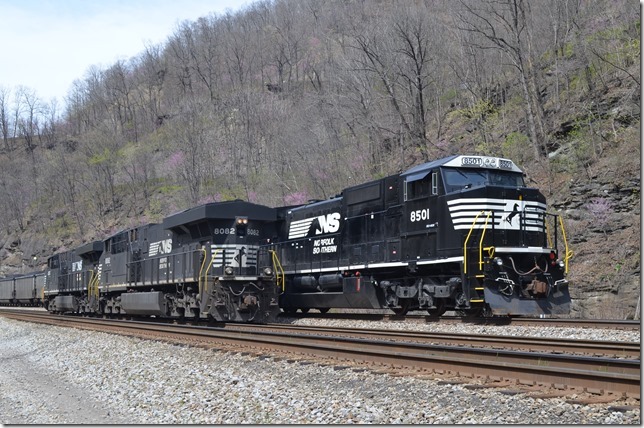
(289, 311)
(440, 309)
(323, 310)
(473, 312)
(404, 307)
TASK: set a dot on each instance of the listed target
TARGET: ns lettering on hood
(329, 223)
(160, 247)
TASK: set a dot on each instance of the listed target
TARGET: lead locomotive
(462, 233)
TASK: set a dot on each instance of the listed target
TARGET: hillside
(287, 101)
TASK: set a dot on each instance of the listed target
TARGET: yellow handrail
(279, 270)
(92, 285)
(489, 213)
(203, 273)
(467, 239)
(212, 260)
(568, 254)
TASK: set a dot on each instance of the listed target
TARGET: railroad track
(533, 344)
(537, 370)
(417, 318)
(550, 322)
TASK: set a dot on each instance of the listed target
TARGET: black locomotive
(461, 233)
(199, 263)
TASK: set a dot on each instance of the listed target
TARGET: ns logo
(329, 223)
(160, 247)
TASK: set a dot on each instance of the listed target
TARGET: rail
(537, 369)
(387, 315)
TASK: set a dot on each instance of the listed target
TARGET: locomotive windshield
(460, 178)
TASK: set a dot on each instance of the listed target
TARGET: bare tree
(151, 70)
(505, 25)
(5, 117)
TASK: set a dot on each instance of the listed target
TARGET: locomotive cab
(498, 229)
(234, 277)
(63, 279)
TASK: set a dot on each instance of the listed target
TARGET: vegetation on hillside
(289, 100)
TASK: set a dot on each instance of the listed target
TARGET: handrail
(203, 272)
(467, 239)
(203, 263)
(92, 284)
(212, 260)
(279, 270)
(545, 223)
(568, 254)
(489, 213)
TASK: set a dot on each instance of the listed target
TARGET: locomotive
(199, 263)
(462, 233)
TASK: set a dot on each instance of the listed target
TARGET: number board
(486, 162)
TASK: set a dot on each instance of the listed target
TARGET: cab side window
(422, 188)
(419, 188)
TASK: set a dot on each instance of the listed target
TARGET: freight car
(462, 233)
(22, 290)
(199, 263)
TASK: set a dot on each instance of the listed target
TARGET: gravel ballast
(58, 375)
(613, 335)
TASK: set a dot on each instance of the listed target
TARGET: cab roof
(460, 161)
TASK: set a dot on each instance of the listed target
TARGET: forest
(290, 100)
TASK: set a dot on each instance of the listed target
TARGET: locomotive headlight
(498, 261)
(228, 270)
(268, 271)
(562, 264)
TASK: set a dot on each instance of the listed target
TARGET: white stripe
(522, 250)
(300, 228)
(231, 251)
(480, 226)
(238, 278)
(377, 265)
(472, 214)
(497, 221)
(494, 207)
(493, 201)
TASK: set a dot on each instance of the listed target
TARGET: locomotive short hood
(220, 210)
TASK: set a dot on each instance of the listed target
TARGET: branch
(615, 65)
